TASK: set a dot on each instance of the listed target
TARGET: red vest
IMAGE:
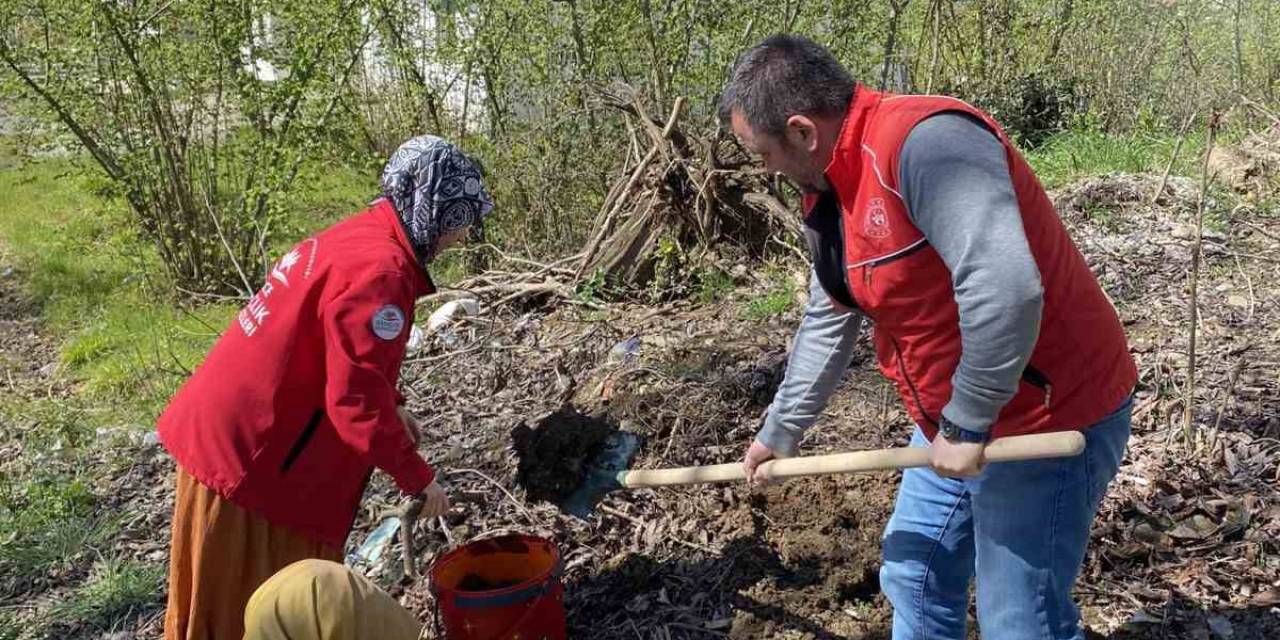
(296, 403)
(1080, 370)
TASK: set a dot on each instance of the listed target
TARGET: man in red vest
(922, 216)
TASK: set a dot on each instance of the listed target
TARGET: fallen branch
(613, 207)
(607, 222)
(779, 213)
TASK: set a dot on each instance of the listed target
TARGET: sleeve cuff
(970, 414)
(413, 474)
(777, 437)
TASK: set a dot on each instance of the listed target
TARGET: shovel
(608, 471)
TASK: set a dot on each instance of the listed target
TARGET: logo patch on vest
(877, 223)
(388, 322)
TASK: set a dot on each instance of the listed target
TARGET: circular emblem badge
(388, 322)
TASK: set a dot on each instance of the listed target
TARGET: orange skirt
(219, 555)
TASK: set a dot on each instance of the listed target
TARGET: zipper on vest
(1036, 378)
(917, 248)
(870, 266)
(301, 443)
(915, 394)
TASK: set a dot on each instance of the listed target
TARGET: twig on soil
(1144, 407)
(413, 393)
(444, 528)
(519, 505)
(1253, 300)
(1254, 256)
(604, 508)
(1226, 400)
(1188, 406)
(521, 291)
(1260, 230)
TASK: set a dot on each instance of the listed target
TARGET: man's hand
(435, 502)
(757, 454)
(410, 425)
(956, 459)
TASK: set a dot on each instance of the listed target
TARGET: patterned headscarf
(435, 189)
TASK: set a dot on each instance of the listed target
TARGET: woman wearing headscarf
(277, 432)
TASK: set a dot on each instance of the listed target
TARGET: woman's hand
(435, 502)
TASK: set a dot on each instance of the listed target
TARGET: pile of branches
(700, 191)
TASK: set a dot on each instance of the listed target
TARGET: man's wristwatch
(955, 433)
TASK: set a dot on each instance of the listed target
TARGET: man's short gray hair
(784, 76)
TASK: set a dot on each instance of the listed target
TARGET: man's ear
(802, 132)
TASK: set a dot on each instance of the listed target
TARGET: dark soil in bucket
(554, 453)
(473, 582)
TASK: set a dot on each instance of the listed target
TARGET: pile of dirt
(799, 558)
(1252, 166)
(554, 454)
(824, 579)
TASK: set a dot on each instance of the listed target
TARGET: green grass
(774, 303)
(778, 297)
(10, 627)
(47, 521)
(714, 285)
(1072, 155)
(121, 333)
(115, 591)
(322, 194)
(124, 342)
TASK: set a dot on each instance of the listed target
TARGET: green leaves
(201, 110)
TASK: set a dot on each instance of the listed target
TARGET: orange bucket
(504, 588)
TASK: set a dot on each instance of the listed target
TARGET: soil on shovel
(554, 453)
(473, 582)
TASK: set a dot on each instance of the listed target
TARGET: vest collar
(846, 157)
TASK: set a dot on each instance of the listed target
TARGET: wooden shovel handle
(1061, 444)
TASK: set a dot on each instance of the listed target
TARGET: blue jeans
(1022, 527)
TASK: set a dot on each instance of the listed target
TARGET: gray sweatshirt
(954, 177)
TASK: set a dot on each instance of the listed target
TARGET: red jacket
(1080, 370)
(296, 403)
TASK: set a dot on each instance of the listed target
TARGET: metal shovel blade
(604, 473)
